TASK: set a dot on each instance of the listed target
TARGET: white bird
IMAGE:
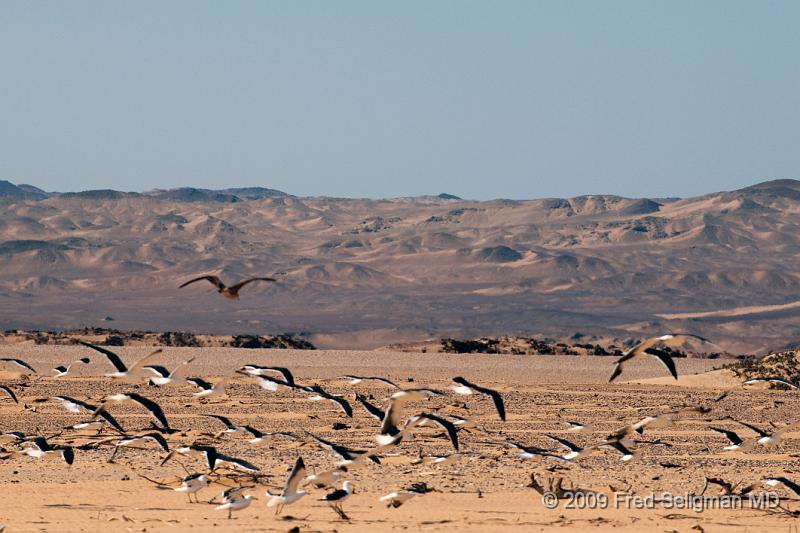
(642, 349)
(258, 371)
(61, 371)
(290, 492)
(122, 371)
(192, 484)
(161, 376)
(236, 503)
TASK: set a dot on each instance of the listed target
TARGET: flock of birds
(397, 421)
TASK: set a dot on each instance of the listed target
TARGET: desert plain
(485, 489)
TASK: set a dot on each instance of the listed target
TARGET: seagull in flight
(355, 380)
(766, 438)
(122, 371)
(231, 292)
(462, 386)
(574, 452)
(321, 394)
(290, 492)
(347, 455)
(642, 349)
(206, 388)
(736, 442)
(213, 458)
(76, 406)
(151, 406)
(61, 371)
(41, 448)
(161, 376)
(785, 481)
(256, 370)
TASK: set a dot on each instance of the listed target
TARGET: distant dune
(366, 273)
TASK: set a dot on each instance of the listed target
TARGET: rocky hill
(365, 273)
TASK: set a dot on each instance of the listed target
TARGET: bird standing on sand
(338, 496)
(231, 292)
(192, 484)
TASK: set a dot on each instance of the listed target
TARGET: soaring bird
(231, 292)
(675, 339)
(289, 494)
(122, 371)
(462, 386)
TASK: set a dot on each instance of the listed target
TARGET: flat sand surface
(484, 490)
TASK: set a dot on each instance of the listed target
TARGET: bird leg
(340, 512)
(114, 454)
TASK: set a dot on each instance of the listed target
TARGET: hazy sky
(480, 99)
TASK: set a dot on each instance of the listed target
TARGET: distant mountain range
(363, 273)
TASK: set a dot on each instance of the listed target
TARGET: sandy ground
(485, 490)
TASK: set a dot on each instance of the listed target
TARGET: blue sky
(377, 99)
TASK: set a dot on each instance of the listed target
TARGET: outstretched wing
(667, 361)
(214, 280)
(295, 476)
(111, 356)
(9, 392)
(235, 288)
